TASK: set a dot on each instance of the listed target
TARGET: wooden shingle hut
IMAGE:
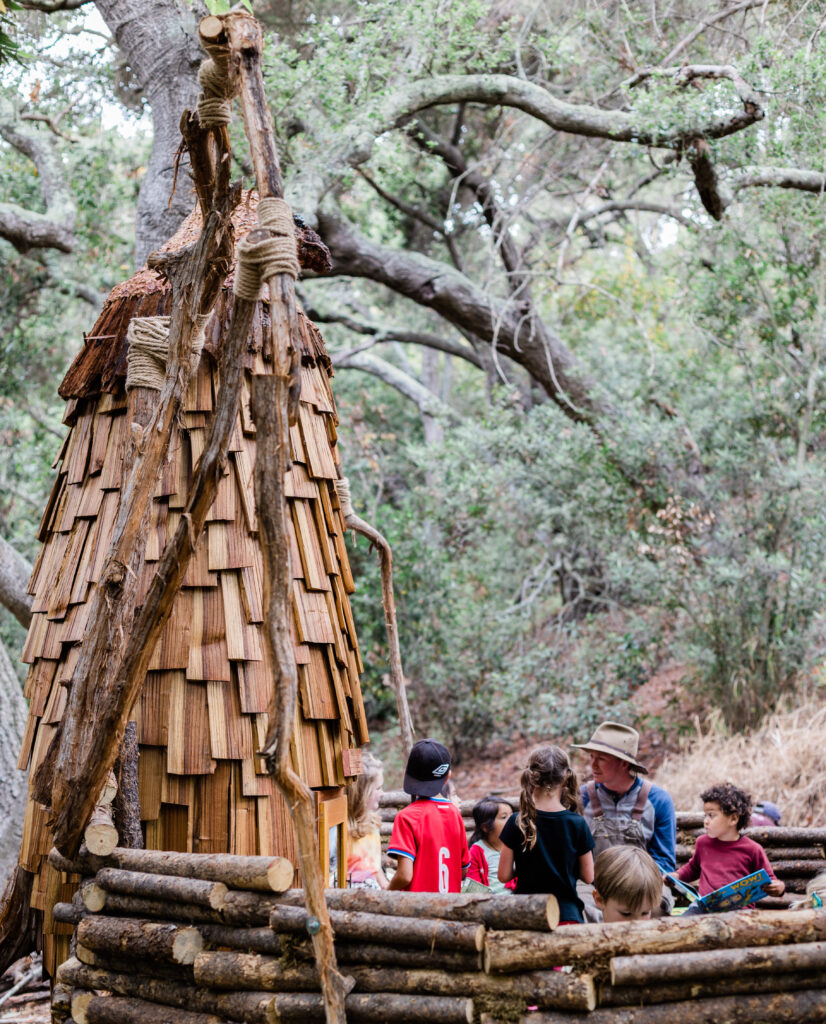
(202, 712)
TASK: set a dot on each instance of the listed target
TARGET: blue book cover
(746, 890)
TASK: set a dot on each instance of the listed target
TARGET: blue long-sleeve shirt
(659, 819)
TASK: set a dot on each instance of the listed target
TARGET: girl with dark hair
(489, 815)
(547, 845)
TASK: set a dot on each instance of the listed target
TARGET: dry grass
(784, 761)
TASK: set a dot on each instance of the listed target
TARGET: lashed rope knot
(260, 261)
(148, 353)
(215, 101)
(343, 492)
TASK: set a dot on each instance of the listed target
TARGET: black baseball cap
(427, 766)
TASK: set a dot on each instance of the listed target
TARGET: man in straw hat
(621, 808)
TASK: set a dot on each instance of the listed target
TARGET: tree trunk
(653, 969)
(159, 41)
(523, 951)
(399, 931)
(158, 887)
(249, 971)
(151, 939)
(539, 912)
(13, 712)
(14, 580)
(259, 940)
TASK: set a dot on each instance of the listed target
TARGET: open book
(748, 889)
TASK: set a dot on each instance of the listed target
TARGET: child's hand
(774, 888)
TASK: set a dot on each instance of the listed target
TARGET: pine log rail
(110, 672)
(274, 402)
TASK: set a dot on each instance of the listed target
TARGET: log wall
(412, 957)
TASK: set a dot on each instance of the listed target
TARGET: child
(548, 844)
(490, 815)
(627, 884)
(364, 853)
(428, 840)
(722, 855)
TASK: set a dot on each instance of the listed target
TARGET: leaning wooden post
(271, 412)
(353, 522)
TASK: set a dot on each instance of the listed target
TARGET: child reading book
(627, 884)
(722, 855)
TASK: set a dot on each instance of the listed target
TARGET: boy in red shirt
(428, 840)
(722, 855)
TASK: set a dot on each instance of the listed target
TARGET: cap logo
(440, 771)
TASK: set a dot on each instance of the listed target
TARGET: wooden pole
(378, 928)
(159, 887)
(704, 988)
(127, 808)
(271, 401)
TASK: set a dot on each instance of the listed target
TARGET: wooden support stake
(271, 412)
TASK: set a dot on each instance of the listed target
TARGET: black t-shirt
(562, 837)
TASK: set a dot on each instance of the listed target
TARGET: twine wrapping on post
(148, 354)
(215, 101)
(343, 492)
(261, 261)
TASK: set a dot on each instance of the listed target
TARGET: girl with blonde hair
(364, 853)
(547, 845)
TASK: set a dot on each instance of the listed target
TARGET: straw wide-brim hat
(620, 740)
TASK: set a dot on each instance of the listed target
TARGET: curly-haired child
(548, 844)
(723, 855)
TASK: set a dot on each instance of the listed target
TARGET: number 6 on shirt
(444, 870)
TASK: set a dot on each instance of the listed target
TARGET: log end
(210, 29)
(487, 959)
(280, 874)
(101, 838)
(94, 897)
(187, 944)
(85, 955)
(80, 1004)
(469, 1011)
(552, 912)
(479, 938)
(218, 896)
